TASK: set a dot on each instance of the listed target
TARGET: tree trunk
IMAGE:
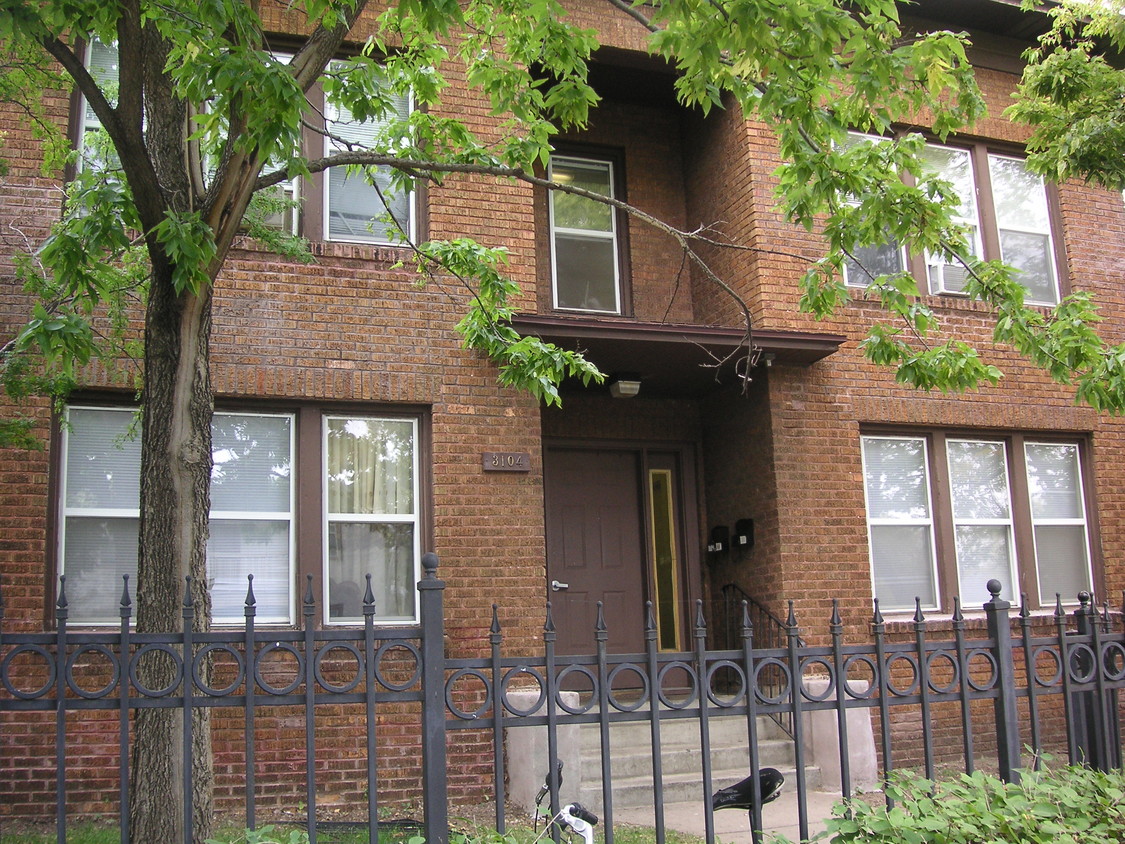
(175, 500)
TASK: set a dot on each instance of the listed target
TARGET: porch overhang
(674, 361)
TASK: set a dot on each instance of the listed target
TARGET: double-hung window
(351, 206)
(361, 505)
(1005, 213)
(93, 149)
(948, 513)
(371, 513)
(866, 263)
(585, 259)
(363, 207)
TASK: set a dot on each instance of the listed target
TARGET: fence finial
(549, 622)
(430, 565)
(494, 629)
(835, 620)
(994, 587)
(189, 598)
(126, 602)
(368, 597)
(918, 617)
(251, 602)
(877, 616)
(62, 602)
(601, 632)
(650, 622)
(309, 598)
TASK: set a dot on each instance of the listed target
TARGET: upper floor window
(360, 207)
(948, 513)
(360, 504)
(866, 263)
(93, 150)
(1005, 212)
(351, 206)
(585, 259)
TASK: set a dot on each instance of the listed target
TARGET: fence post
(1093, 708)
(1007, 717)
(434, 784)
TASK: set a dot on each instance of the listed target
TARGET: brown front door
(611, 518)
(594, 547)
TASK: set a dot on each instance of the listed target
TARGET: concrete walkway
(732, 826)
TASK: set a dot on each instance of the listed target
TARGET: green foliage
(1068, 805)
(265, 835)
(1074, 97)
(526, 363)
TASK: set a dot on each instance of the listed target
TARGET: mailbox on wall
(743, 534)
(720, 540)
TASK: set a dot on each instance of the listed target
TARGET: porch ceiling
(673, 361)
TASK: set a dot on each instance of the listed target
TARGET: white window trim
(66, 511)
(610, 236)
(262, 515)
(1008, 523)
(935, 263)
(1084, 520)
(1049, 232)
(928, 522)
(370, 518)
(903, 259)
(331, 114)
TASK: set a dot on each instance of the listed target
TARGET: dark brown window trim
(615, 156)
(979, 148)
(311, 196)
(308, 515)
(942, 513)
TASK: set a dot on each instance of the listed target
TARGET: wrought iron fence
(1005, 688)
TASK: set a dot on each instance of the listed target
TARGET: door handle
(556, 586)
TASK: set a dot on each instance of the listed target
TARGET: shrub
(1066, 805)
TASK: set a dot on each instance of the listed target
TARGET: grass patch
(463, 831)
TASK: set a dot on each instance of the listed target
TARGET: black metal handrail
(769, 632)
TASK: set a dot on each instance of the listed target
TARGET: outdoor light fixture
(624, 385)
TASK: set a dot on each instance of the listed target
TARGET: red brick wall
(354, 329)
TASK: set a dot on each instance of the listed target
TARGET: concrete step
(728, 729)
(636, 792)
(681, 759)
(636, 760)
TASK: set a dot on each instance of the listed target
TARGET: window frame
(328, 517)
(1025, 561)
(846, 267)
(309, 217)
(614, 160)
(308, 537)
(987, 222)
(323, 109)
(986, 241)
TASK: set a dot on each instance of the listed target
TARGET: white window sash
(411, 519)
(1080, 521)
(610, 236)
(79, 512)
(332, 114)
(923, 522)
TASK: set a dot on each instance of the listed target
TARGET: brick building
(328, 369)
